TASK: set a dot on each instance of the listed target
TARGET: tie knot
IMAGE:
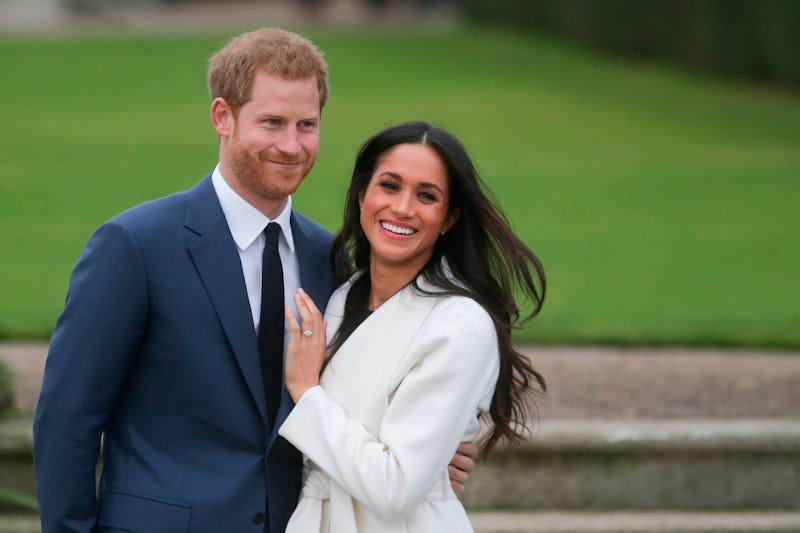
(272, 233)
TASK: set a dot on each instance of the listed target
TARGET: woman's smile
(397, 229)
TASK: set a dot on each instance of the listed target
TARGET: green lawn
(665, 205)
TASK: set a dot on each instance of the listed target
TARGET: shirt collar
(245, 221)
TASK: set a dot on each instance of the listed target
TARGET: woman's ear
(452, 218)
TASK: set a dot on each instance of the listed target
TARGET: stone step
(722, 465)
(17, 484)
(622, 430)
(640, 522)
(586, 465)
(575, 522)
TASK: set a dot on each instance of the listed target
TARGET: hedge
(6, 388)
(757, 39)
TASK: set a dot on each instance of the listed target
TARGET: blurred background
(648, 151)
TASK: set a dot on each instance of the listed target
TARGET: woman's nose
(403, 205)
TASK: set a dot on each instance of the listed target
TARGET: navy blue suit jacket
(156, 351)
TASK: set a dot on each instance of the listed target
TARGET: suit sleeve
(91, 350)
(455, 366)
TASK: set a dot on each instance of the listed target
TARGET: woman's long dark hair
(489, 262)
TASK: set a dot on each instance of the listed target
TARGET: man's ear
(222, 117)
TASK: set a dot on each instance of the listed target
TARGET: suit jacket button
(259, 518)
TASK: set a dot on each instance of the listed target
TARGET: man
(159, 348)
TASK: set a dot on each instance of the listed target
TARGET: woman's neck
(386, 281)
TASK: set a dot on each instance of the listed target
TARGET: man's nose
(289, 142)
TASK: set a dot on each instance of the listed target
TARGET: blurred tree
(758, 39)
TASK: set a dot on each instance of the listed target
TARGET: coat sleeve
(91, 350)
(453, 365)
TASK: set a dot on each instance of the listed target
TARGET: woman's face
(404, 208)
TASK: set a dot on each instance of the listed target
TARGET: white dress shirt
(247, 224)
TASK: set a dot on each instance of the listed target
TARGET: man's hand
(462, 465)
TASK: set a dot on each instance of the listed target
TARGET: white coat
(394, 403)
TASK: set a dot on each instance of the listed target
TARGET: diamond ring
(307, 332)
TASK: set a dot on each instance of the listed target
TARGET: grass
(663, 204)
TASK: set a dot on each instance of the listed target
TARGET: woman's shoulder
(454, 312)
(462, 308)
(459, 328)
(453, 305)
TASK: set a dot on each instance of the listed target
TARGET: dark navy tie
(270, 327)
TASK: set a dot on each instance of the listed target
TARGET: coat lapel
(386, 333)
(217, 261)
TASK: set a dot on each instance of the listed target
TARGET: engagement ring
(307, 332)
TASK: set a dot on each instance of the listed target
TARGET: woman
(420, 342)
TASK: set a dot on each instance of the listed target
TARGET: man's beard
(274, 183)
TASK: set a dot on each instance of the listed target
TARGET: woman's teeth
(397, 229)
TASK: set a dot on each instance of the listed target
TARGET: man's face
(274, 141)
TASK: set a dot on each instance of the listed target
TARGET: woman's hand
(462, 465)
(306, 350)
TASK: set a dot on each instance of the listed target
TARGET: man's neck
(271, 207)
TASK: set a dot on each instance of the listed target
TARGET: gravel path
(593, 382)
(627, 383)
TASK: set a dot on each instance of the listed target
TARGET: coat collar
(398, 319)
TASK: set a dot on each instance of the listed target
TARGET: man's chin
(284, 185)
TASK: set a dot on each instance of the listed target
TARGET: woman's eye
(427, 196)
(389, 186)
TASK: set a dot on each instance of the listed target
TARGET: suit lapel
(315, 275)
(217, 261)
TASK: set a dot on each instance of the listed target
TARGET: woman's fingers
(306, 351)
(305, 314)
(294, 327)
(307, 304)
(310, 317)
